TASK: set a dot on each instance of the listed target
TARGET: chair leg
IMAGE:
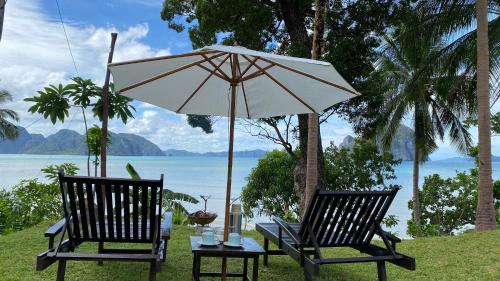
(382, 276)
(99, 250)
(266, 249)
(165, 250)
(61, 269)
(152, 271)
(307, 275)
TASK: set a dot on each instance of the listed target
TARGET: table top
(250, 246)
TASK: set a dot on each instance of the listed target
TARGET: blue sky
(33, 54)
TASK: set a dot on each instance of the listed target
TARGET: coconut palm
(426, 95)
(475, 52)
(7, 129)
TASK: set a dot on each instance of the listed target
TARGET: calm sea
(207, 176)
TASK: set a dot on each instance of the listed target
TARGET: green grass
(471, 256)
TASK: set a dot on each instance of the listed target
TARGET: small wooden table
(250, 250)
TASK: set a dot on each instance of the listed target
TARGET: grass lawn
(471, 256)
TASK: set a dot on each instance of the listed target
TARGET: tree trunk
(313, 120)
(105, 110)
(88, 143)
(2, 13)
(485, 215)
(416, 194)
(294, 19)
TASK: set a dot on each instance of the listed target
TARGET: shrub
(363, 167)
(269, 189)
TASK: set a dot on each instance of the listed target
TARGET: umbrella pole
(230, 161)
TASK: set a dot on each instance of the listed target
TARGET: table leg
(224, 268)
(196, 267)
(245, 269)
(255, 275)
(266, 249)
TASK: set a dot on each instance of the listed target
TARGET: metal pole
(105, 108)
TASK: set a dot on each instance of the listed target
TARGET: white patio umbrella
(233, 82)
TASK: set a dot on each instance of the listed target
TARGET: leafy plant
(51, 172)
(7, 129)
(361, 168)
(171, 201)
(270, 188)
(93, 139)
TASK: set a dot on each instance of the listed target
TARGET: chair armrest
(284, 226)
(55, 229)
(166, 224)
(391, 236)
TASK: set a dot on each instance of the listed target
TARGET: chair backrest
(112, 210)
(345, 218)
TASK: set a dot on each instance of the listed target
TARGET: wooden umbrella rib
(284, 87)
(163, 58)
(210, 70)
(215, 66)
(310, 76)
(256, 73)
(253, 62)
(202, 83)
(243, 89)
(135, 85)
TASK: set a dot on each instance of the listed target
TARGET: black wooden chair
(109, 210)
(337, 219)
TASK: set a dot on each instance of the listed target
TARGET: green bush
(363, 167)
(447, 205)
(30, 202)
(269, 189)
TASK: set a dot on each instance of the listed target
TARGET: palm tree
(54, 102)
(472, 30)
(7, 129)
(423, 95)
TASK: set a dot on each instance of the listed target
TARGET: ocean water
(207, 176)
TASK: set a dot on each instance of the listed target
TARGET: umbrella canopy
(199, 83)
(234, 82)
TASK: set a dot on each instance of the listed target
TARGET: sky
(34, 53)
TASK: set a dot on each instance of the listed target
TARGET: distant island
(401, 146)
(69, 142)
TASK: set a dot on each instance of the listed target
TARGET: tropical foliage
(8, 130)
(426, 94)
(93, 140)
(270, 186)
(30, 202)
(363, 167)
(269, 189)
(171, 201)
(55, 102)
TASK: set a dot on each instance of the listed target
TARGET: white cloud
(34, 53)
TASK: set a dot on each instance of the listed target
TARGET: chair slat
(82, 202)
(118, 210)
(135, 208)
(345, 212)
(144, 211)
(333, 223)
(352, 214)
(126, 210)
(109, 210)
(356, 226)
(152, 211)
(91, 203)
(322, 233)
(378, 218)
(100, 210)
(368, 227)
(74, 212)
